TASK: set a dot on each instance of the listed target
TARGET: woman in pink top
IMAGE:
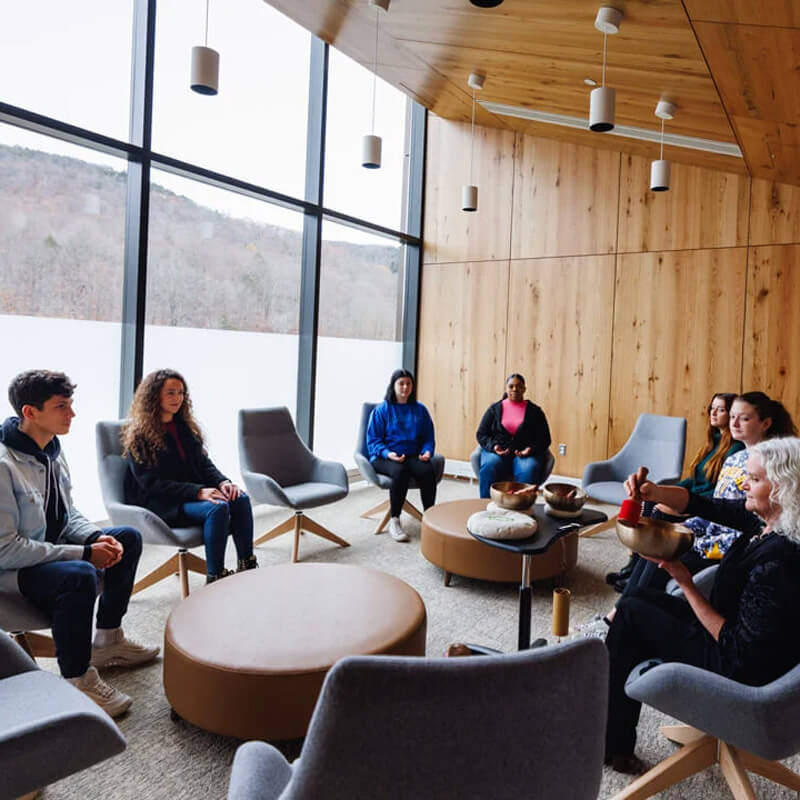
(514, 437)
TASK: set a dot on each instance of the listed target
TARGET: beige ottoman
(446, 543)
(246, 656)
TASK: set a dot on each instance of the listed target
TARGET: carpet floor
(175, 760)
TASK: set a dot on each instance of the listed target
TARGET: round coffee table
(246, 656)
(446, 543)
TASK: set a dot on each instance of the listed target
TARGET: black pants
(401, 473)
(67, 592)
(648, 624)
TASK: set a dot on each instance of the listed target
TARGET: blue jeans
(504, 468)
(217, 519)
(67, 590)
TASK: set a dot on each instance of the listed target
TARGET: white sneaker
(396, 530)
(122, 652)
(111, 700)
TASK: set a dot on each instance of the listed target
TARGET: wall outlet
(562, 449)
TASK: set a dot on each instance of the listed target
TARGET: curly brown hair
(143, 433)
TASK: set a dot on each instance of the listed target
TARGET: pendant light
(469, 192)
(371, 144)
(205, 66)
(660, 170)
(602, 100)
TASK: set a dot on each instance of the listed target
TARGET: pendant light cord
(662, 139)
(375, 71)
(472, 138)
(605, 41)
(206, 23)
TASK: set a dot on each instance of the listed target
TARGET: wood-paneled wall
(611, 299)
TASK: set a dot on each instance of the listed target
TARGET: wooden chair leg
(385, 519)
(734, 773)
(601, 527)
(687, 761)
(772, 770)
(681, 734)
(319, 530)
(412, 510)
(375, 509)
(278, 530)
(168, 568)
(298, 521)
(36, 645)
(183, 574)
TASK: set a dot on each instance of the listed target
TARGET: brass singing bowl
(502, 494)
(564, 496)
(655, 538)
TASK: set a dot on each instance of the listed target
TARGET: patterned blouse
(711, 539)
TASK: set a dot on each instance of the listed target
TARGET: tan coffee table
(246, 656)
(446, 543)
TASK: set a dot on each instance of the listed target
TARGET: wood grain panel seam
(678, 250)
(510, 247)
(614, 306)
(746, 284)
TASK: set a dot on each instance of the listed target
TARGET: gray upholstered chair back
(657, 442)
(527, 724)
(110, 464)
(269, 445)
(361, 439)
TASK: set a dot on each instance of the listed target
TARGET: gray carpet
(167, 759)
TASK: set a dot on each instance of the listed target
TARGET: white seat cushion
(501, 524)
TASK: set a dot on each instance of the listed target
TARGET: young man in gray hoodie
(51, 554)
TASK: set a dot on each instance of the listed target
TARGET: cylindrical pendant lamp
(205, 70)
(602, 103)
(469, 198)
(659, 175)
(371, 151)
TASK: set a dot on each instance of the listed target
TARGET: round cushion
(447, 543)
(494, 507)
(501, 524)
(246, 656)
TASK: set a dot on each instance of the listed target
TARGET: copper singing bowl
(655, 538)
(502, 494)
(564, 496)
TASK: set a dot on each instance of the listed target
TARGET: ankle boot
(220, 576)
(247, 563)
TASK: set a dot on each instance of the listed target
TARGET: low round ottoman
(447, 544)
(246, 656)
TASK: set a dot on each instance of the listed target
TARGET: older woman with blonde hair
(747, 629)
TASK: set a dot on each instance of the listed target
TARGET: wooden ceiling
(537, 53)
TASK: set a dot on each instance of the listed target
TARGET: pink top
(513, 414)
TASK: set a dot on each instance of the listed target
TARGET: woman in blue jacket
(400, 443)
(170, 473)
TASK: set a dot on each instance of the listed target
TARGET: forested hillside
(61, 255)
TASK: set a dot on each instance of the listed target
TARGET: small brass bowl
(501, 493)
(655, 538)
(564, 496)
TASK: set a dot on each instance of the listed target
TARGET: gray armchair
(112, 468)
(743, 728)
(280, 470)
(657, 442)
(48, 729)
(23, 621)
(475, 463)
(369, 474)
(528, 724)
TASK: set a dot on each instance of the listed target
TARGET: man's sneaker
(122, 652)
(111, 700)
(596, 628)
(247, 563)
(396, 530)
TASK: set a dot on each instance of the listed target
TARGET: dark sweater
(698, 483)
(165, 486)
(757, 590)
(534, 431)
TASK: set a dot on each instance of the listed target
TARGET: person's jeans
(67, 590)
(401, 473)
(217, 519)
(529, 469)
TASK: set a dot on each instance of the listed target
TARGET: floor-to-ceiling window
(143, 225)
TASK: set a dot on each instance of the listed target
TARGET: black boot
(246, 563)
(624, 573)
(223, 574)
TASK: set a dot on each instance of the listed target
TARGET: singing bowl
(655, 538)
(501, 493)
(556, 495)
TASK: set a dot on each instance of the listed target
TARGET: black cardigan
(534, 431)
(165, 486)
(757, 590)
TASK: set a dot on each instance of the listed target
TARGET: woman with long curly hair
(170, 473)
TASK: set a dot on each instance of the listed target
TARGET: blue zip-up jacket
(402, 428)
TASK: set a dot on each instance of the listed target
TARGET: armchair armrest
(153, 529)
(703, 580)
(264, 489)
(259, 772)
(597, 472)
(366, 469)
(329, 472)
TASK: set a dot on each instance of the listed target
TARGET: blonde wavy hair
(143, 433)
(781, 460)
